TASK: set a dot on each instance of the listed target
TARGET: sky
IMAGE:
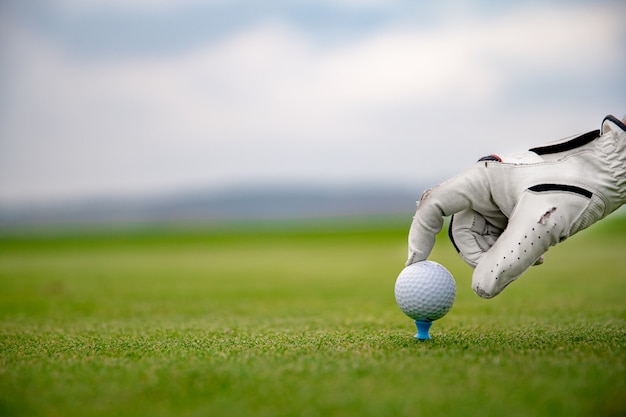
(142, 97)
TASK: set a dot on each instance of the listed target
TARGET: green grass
(301, 321)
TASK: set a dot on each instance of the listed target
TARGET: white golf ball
(425, 291)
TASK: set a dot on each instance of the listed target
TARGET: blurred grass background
(299, 318)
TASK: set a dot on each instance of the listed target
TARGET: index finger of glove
(467, 190)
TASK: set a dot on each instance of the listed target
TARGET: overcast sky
(133, 97)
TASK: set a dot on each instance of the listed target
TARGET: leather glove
(508, 211)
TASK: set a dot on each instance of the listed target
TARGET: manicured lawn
(300, 320)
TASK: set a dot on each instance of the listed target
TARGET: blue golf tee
(422, 329)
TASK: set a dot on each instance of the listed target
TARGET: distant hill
(240, 203)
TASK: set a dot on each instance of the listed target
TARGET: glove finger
(456, 194)
(473, 235)
(539, 220)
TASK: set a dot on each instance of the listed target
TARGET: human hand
(508, 211)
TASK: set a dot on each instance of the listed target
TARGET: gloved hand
(508, 211)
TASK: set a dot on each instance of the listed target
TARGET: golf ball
(425, 291)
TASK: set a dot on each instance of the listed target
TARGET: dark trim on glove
(491, 157)
(451, 236)
(569, 145)
(541, 188)
(615, 120)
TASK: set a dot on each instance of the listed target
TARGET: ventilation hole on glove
(538, 237)
(518, 258)
(533, 229)
(525, 236)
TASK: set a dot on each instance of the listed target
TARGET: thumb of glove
(539, 220)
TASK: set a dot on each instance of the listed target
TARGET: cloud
(78, 6)
(272, 102)
(162, 5)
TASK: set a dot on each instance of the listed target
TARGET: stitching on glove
(569, 145)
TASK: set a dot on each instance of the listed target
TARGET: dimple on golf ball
(425, 291)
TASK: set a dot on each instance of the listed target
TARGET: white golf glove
(508, 211)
